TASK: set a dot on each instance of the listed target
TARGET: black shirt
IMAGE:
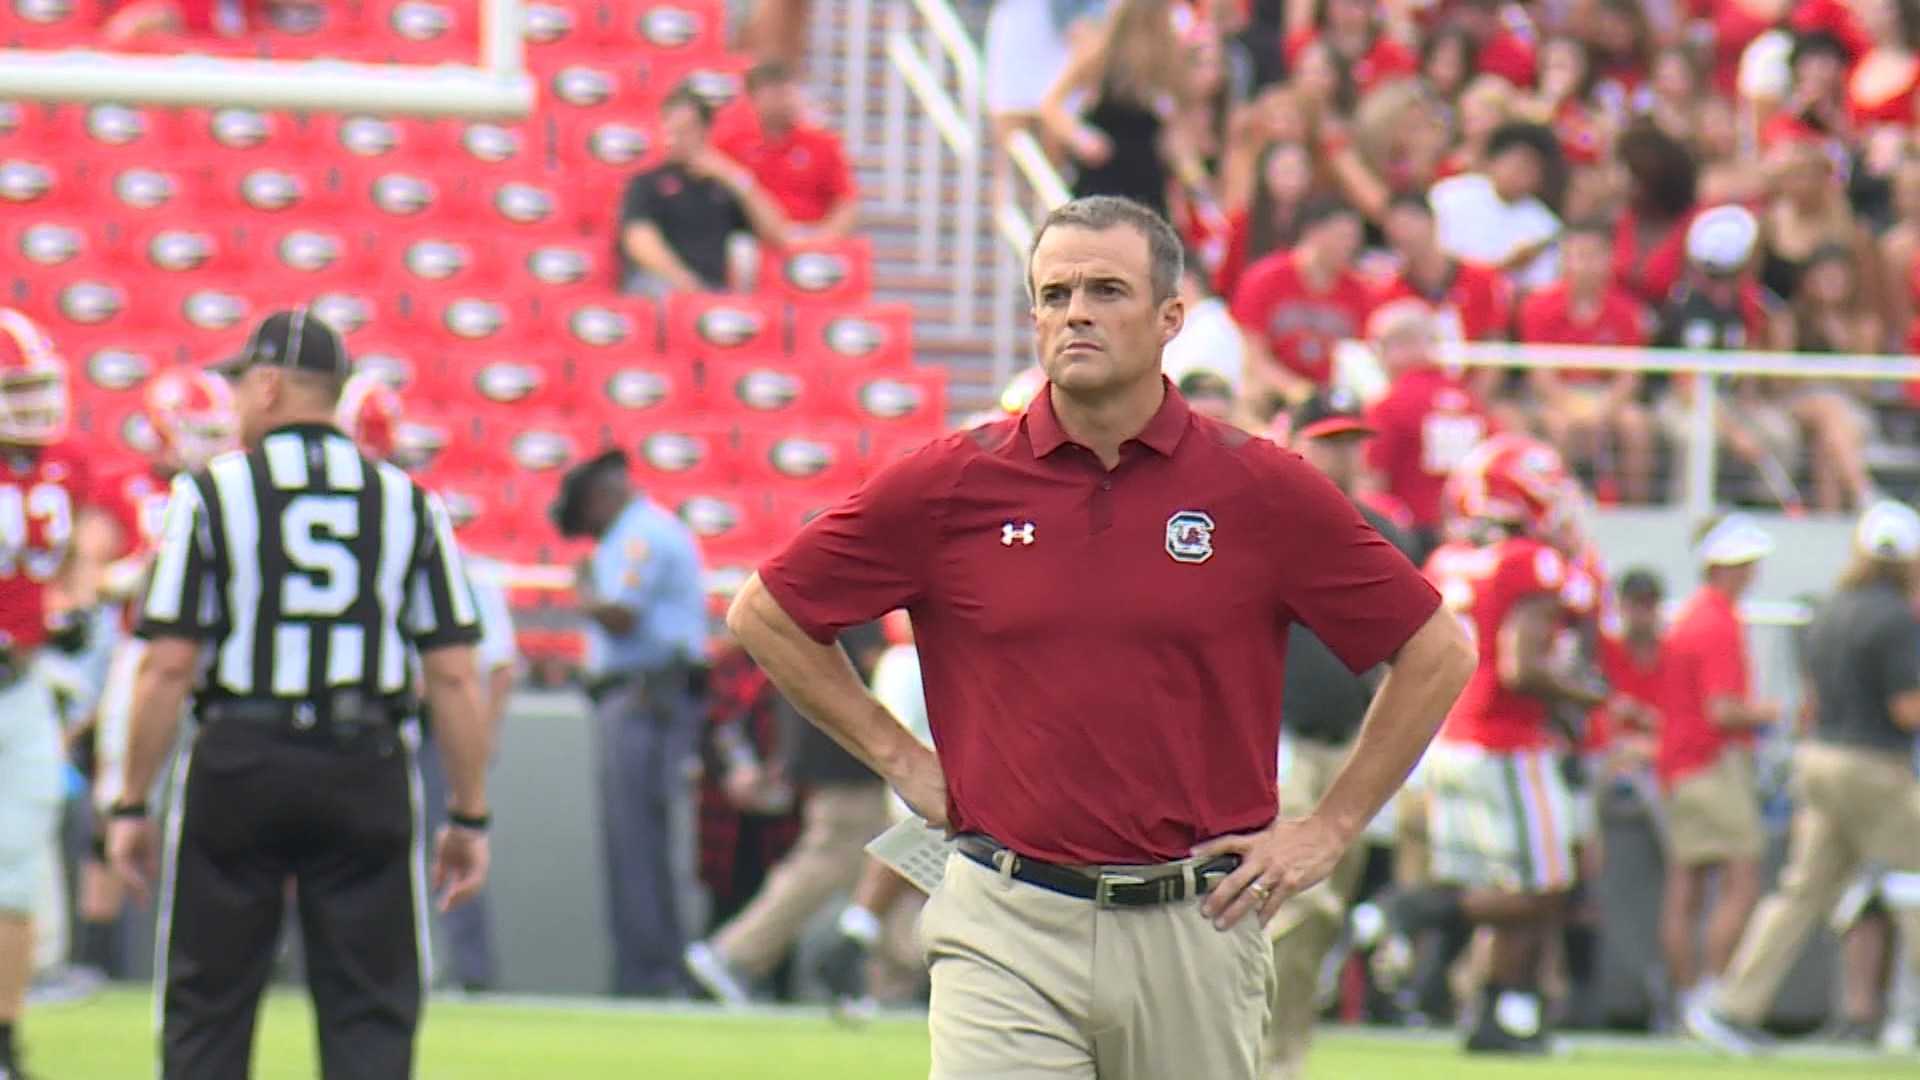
(1863, 650)
(695, 215)
(306, 568)
(1322, 700)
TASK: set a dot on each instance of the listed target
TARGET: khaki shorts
(29, 791)
(1029, 984)
(1499, 820)
(1713, 815)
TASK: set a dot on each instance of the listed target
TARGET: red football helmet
(370, 414)
(193, 418)
(1515, 482)
(33, 384)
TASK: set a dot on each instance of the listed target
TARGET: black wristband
(472, 823)
(127, 811)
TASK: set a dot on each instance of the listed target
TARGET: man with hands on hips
(1101, 591)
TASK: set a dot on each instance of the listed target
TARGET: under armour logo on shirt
(1023, 533)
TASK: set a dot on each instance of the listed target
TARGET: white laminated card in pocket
(915, 849)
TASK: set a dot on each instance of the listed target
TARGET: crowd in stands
(1532, 171)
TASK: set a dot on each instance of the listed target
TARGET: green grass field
(107, 1039)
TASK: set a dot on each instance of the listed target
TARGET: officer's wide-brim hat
(571, 503)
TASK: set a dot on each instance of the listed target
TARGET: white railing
(1702, 449)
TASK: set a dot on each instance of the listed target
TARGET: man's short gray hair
(1166, 259)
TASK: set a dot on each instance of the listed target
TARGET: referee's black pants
(260, 809)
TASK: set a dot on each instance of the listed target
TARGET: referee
(291, 584)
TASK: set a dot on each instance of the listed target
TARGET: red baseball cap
(1331, 411)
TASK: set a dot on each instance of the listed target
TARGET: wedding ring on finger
(1261, 890)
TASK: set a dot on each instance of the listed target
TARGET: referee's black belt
(1106, 886)
(340, 714)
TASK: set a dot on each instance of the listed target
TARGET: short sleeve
(496, 647)
(1722, 663)
(626, 563)
(866, 556)
(438, 610)
(181, 599)
(1899, 651)
(640, 203)
(1337, 574)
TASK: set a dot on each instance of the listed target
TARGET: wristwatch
(469, 822)
(122, 810)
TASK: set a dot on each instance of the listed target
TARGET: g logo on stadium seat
(541, 451)
(116, 125)
(583, 87)
(672, 452)
(463, 506)
(417, 21)
(368, 136)
(618, 144)
(298, 19)
(239, 129)
(214, 309)
(670, 27)
(402, 194)
(308, 251)
(24, 181)
(48, 244)
(507, 382)
(115, 368)
(271, 189)
(178, 250)
(637, 388)
(347, 313)
(437, 260)
(765, 390)
(145, 189)
(44, 12)
(491, 143)
(419, 444)
(546, 23)
(890, 399)
(709, 516)
(716, 88)
(816, 271)
(728, 327)
(600, 327)
(558, 265)
(91, 302)
(523, 204)
(800, 457)
(854, 337)
(390, 368)
(473, 319)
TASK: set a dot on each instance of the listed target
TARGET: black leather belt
(1142, 886)
(340, 715)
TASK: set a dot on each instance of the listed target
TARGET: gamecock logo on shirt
(637, 388)
(1190, 536)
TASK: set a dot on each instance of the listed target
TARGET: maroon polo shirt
(1103, 652)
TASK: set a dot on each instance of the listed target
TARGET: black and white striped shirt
(307, 568)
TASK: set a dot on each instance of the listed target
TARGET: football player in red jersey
(44, 484)
(1428, 421)
(1501, 819)
(192, 419)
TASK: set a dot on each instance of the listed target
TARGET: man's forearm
(499, 689)
(819, 680)
(841, 219)
(1431, 670)
(159, 696)
(460, 731)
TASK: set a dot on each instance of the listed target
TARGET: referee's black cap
(298, 340)
(571, 503)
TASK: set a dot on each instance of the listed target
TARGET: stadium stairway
(898, 277)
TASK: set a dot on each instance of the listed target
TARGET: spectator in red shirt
(1428, 421)
(1581, 410)
(799, 164)
(1633, 661)
(1352, 32)
(1101, 592)
(1705, 761)
(1649, 254)
(1272, 222)
(1470, 302)
(1296, 305)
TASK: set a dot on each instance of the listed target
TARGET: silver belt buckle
(1104, 885)
(304, 716)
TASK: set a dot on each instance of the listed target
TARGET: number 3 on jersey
(35, 525)
(315, 530)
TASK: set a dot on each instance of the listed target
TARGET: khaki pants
(1029, 984)
(1713, 816)
(836, 823)
(1308, 925)
(1852, 807)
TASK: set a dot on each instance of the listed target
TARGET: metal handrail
(1684, 361)
(920, 78)
(1025, 153)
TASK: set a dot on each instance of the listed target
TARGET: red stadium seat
(31, 127)
(423, 31)
(833, 273)
(163, 191)
(197, 310)
(454, 442)
(871, 337)
(602, 154)
(538, 442)
(626, 393)
(104, 134)
(711, 325)
(35, 243)
(115, 365)
(399, 142)
(399, 361)
(721, 518)
(386, 195)
(591, 85)
(454, 318)
(614, 326)
(500, 387)
(816, 460)
(557, 270)
(758, 392)
(557, 33)
(51, 24)
(718, 78)
(204, 135)
(438, 260)
(676, 456)
(41, 181)
(181, 249)
(484, 147)
(251, 189)
(683, 30)
(529, 204)
(317, 256)
(76, 304)
(911, 400)
(356, 313)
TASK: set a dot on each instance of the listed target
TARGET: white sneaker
(712, 973)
